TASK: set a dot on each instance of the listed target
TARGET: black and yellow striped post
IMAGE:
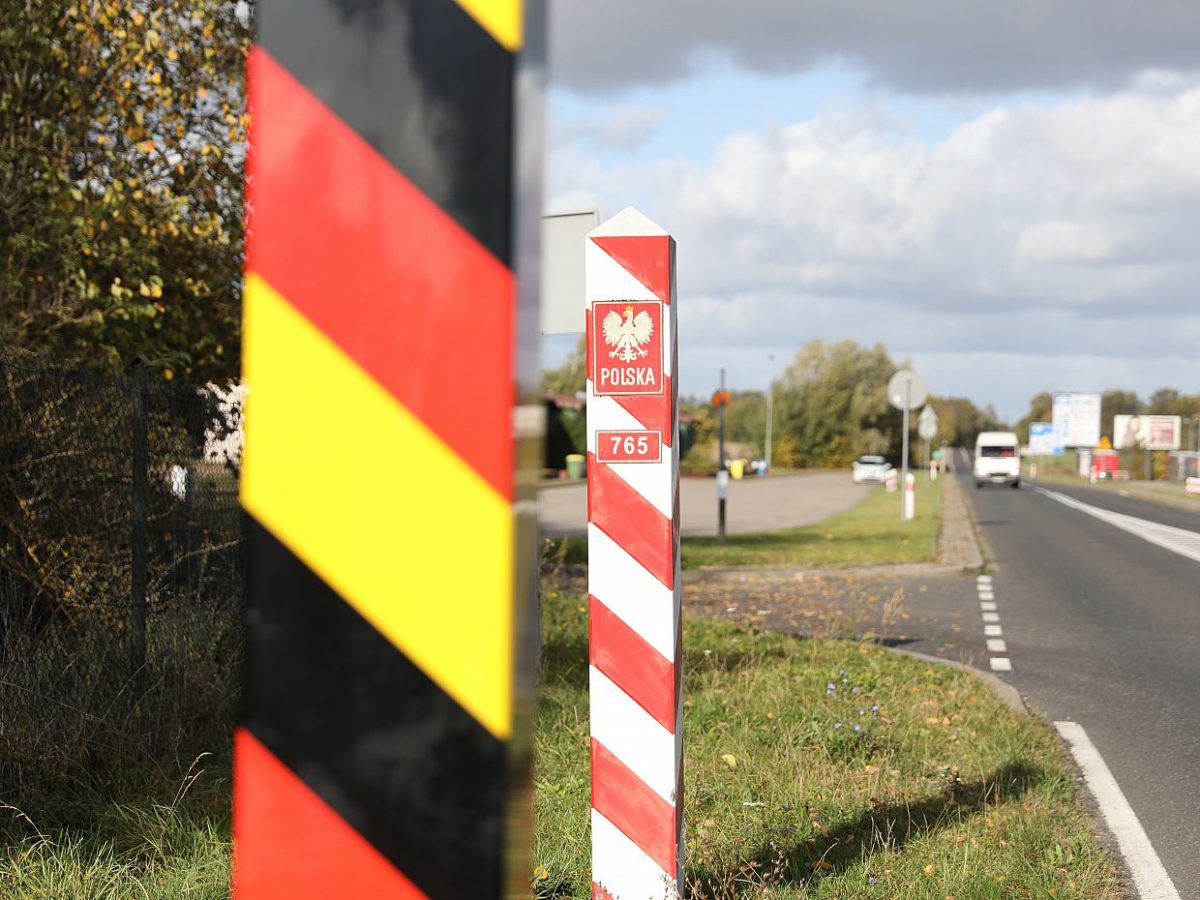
(385, 350)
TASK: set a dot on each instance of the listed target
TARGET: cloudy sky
(1007, 194)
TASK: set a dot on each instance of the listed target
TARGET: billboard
(1148, 432)
(1041, 438)
(1076, 419)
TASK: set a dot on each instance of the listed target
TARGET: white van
(997, 459)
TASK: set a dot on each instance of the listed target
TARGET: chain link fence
(120, 568)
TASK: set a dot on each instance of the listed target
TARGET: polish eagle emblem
(626, 336)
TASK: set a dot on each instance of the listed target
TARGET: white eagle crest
(626, 337)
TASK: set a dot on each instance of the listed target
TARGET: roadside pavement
(754, 504)
(930, 608)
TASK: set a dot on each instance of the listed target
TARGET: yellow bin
(575, 463)
(737, 467)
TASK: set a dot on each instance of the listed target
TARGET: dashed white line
(991, 628)
(1149, 875)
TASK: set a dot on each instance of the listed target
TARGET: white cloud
(626, 127)
(1031, 232)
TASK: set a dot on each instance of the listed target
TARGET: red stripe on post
(599, 893)
(631, 521)
(653, 411)
(645, 257)
(291, 846)
(632, 806)
(388, 276)
(630, 663)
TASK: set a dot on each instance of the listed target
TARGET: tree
(1041, 408)
(1170, 402)
(832, 405)
(1117, 403)
(570, 378)
(960, 421)
(121, 156)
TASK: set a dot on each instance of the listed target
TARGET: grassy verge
(869, 533)
(827, 769)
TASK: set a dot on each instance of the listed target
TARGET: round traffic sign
(907, 385)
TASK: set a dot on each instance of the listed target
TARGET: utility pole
(721, 476)
(770, 413)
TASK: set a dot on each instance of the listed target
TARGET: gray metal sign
(907, 390)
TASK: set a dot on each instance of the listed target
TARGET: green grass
(869, 533)
(942, 792)
(152, 836)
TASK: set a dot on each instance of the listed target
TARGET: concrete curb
(1006, 692)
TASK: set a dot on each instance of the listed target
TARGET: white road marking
(991, 617)
(987, 606)
(983, 579)
(1177, 540)
(1149, 876)
(986, 595)
(1001, 664)
(996, 645)
(993, 631)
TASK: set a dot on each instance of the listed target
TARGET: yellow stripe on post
(313, 409)
(499, 18)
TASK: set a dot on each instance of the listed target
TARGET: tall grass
(114, 780)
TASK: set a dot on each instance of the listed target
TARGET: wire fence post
(138, 566)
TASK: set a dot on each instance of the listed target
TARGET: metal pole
(904, 444)
(721, 461)
(770, 416)
(138, 537)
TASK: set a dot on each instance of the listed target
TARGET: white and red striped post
(633, 561)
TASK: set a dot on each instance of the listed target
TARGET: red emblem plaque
(627, 342)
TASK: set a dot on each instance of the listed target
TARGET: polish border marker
(633, 561)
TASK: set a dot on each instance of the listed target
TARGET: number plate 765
(629, 446)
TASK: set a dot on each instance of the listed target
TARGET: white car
(870, 470)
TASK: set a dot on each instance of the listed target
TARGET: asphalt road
(754, 504)
(1103, 628)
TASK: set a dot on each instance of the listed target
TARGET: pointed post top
(629, 222)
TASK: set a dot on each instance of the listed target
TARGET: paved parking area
(754, 504)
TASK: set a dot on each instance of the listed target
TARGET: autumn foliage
(122, 141)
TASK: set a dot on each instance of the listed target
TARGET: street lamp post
(770, 413)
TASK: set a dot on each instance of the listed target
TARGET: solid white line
(993, 631)
(1149, 876)
(1177, 540)
(1001, 664)
(996, 645)
(987, 606)
(991, 617)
